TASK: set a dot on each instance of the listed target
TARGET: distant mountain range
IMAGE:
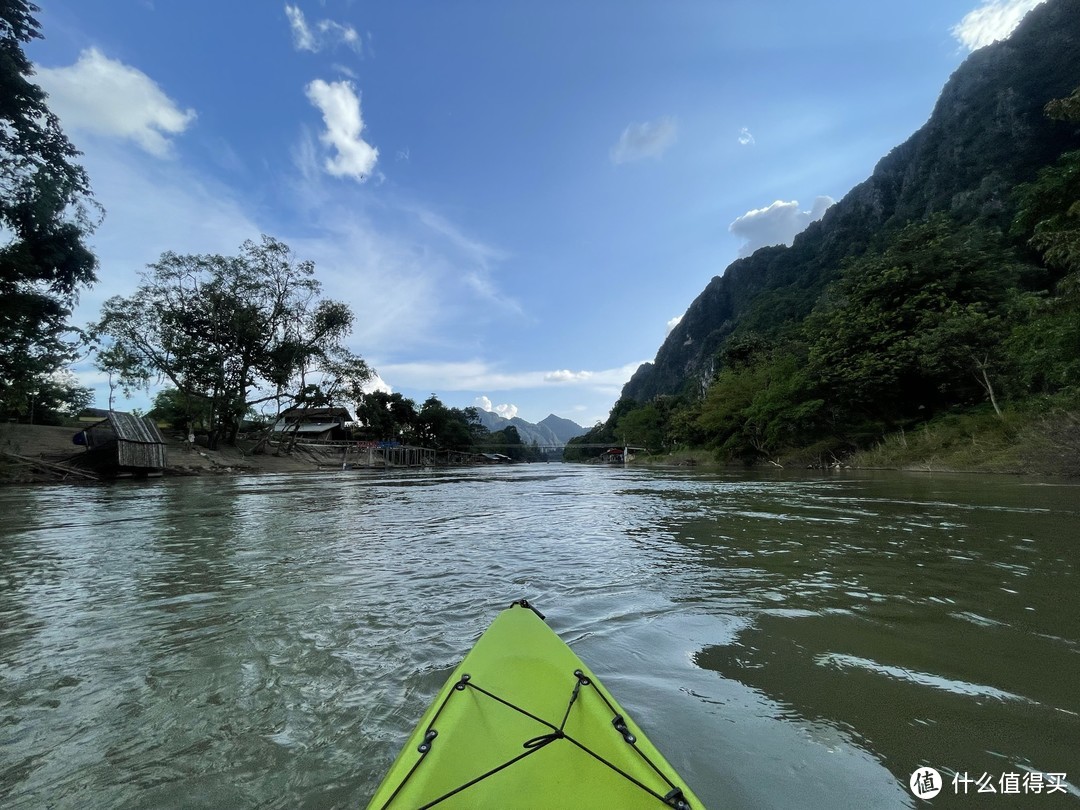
(552, 431)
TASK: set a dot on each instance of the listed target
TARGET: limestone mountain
(987, 133)
(564, 429)
(552, 431)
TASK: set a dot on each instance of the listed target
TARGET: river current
(786, 641)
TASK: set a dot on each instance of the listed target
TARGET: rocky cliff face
(986, 134)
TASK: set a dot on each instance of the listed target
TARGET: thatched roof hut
(130, 443)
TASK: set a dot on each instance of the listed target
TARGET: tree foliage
(181, 412)
(232, 332)
(51, 399)
(384, 416)
(46, 212)
(391, 417)
(914, 328)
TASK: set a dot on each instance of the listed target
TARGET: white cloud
(303, 38)
(340, 107)
(746, 138)
(672, 324)
(640, 141)
(777, 224)
(567, 376)
(332, 32)
(325, 33)
(992, 21)
(505, 411)
(479, 375)
(106, 97)
(377, 383)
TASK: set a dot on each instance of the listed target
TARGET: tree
(385, 416)
(46, 208)
(1045, 346)
(446, 428)
(642, 426)
(236, 331)
(52, 399)
(916, 327)
(182, 413)
(122, 370)
(508, 441)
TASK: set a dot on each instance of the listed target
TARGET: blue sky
(515, 199)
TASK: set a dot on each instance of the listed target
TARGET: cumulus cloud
(992, 21)
(376, 383)
(640, 141)
(340, 106)
(746, 138)
(505, 411)
(106, 97)
(777, 224)
(672, 324)
(324, 34)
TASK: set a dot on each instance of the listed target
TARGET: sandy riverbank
(53, 445)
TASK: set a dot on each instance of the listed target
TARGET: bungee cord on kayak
(674, 798)
(518, 746)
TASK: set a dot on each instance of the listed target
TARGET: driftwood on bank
(49, 466)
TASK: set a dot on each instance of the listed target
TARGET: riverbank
(38, 453)
(1018, 444)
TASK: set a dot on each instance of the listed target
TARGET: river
(786, 641)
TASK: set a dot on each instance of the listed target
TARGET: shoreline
(37, 454)
(31, 454)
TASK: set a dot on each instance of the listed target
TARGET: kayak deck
(522, 722)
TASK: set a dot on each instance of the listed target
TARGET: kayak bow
(523, 723)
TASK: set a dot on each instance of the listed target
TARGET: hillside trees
(916, 327)
(230, 332)
(47, 211)
(762, 406)
(1047, 346)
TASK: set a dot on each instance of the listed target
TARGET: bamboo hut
(123, 444)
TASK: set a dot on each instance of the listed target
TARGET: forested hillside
(945, 285)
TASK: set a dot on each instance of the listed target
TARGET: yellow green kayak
(523, 723)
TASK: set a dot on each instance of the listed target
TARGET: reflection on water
(786, 641)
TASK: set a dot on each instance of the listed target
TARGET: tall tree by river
(232, 332)
(47, 211)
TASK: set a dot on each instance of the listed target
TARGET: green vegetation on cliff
(953, 339)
